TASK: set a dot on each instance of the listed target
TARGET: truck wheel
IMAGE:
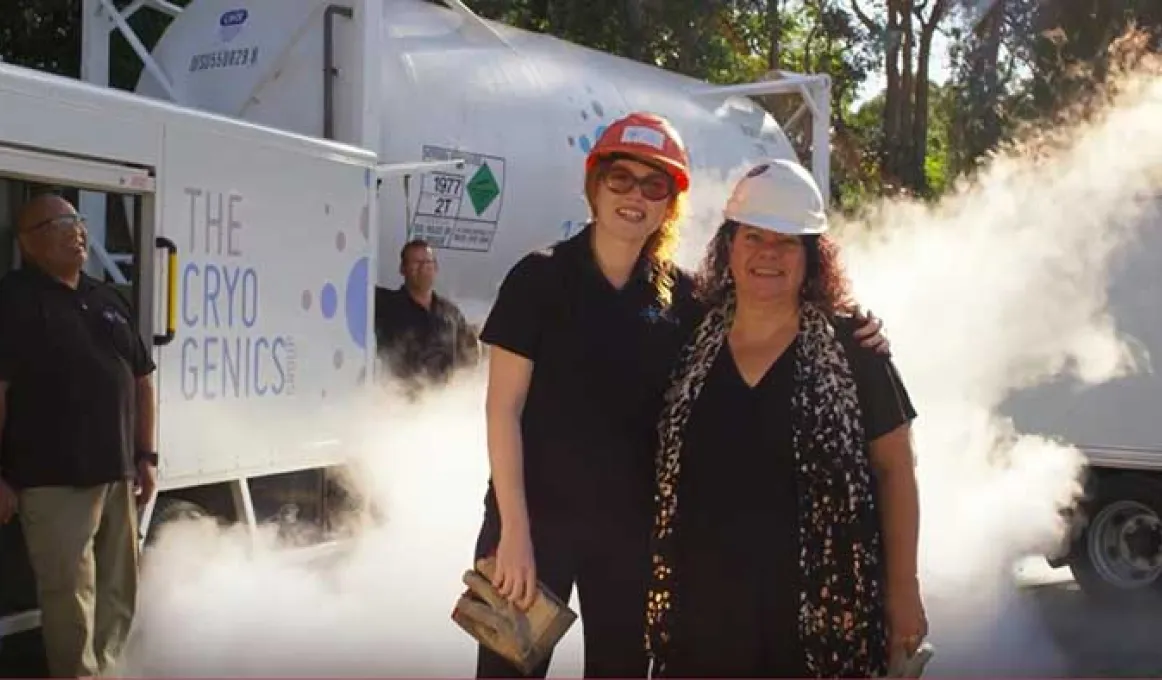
(167, 510)
(1119, 554)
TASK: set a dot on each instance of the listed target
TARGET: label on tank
(228, 55)
(459, 209)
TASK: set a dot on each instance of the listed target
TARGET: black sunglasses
(656, 186)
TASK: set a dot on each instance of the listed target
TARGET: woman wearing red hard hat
(582, 338)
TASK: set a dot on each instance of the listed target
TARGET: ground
(1091, 640)
(1101, 641)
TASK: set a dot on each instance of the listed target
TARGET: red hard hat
(646, 136)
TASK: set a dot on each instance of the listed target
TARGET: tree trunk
(986, 123)
(920, 112)
(775, 22)
(636, 32)
(892, 94)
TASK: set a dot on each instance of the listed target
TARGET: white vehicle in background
(1115, 548)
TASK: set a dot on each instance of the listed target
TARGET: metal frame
(90, 177)
(389, 169)
(99, 18)
(47, 167)
(1122, 457)
(815, 91)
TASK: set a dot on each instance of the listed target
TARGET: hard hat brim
(813, 227)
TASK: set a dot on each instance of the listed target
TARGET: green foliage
(42, 34)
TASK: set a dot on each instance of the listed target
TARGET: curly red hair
(825, 283)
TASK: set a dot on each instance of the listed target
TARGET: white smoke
(999, 287)
(212, 605)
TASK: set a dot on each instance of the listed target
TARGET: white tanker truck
(419, 81)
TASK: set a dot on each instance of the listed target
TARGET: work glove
(524, 638)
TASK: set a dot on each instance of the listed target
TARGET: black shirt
(737, 546)
(601, 360)
(71, 359)
(419, 342)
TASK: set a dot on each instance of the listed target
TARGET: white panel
(274, 302)
(60, 114)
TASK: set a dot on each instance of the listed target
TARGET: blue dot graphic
(356, 302)
(329, 301)
(600, 131)
(585, 145)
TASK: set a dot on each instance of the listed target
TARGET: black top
(601, 361)
(71, 359)
(737, 550)
(418, 342)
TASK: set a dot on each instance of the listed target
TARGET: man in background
(421, 336)
(77, 454)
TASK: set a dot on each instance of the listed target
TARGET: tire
(167, 510)
(1118, 555)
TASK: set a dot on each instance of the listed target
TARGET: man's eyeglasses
(59, 222)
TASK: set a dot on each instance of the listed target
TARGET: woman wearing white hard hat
(786, 531)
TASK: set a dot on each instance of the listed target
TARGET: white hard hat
(779, 195)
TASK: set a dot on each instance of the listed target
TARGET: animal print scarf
(841, 626)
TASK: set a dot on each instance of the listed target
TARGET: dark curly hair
(825, 284)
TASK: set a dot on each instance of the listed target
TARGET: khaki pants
(82, 543)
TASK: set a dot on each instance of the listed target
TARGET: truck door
(121, 252)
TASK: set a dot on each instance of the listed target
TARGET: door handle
(171, 291)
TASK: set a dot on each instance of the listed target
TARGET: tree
(905, 35)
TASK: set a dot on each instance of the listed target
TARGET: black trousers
(608, 561)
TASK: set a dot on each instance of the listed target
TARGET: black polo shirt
(71, 359)
(601, 361)
(423, 342)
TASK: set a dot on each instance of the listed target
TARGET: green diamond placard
(483, 189)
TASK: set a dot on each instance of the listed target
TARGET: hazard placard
(459, 209)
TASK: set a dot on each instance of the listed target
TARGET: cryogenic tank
(416, 81)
